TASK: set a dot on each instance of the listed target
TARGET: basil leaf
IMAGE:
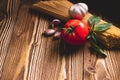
(98, 50)
(93, 36)
(102, 27)
(94, 20)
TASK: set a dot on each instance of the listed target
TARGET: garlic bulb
(78, 11)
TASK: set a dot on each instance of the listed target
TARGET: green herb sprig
(96, 27)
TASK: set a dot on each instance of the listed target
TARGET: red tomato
(75, 32)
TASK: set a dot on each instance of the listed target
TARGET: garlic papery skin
(78, 11)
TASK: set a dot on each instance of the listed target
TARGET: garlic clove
(57, 35)
(56, 21)
(49, 32)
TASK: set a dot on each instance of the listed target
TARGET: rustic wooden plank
(89, 62)
(111, 64)
(107, 69)
(16, 52)
(6, 29)
(74, 62)
(77, 65)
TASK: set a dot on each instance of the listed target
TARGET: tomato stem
(70, 29)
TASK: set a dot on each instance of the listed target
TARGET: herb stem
(95, 26)
(98, 50)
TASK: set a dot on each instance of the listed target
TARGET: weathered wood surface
(27, 55)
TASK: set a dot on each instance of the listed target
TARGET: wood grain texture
(25, 54)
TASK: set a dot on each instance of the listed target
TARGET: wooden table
(27, 55)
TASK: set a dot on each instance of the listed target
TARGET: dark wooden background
(27, 55)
